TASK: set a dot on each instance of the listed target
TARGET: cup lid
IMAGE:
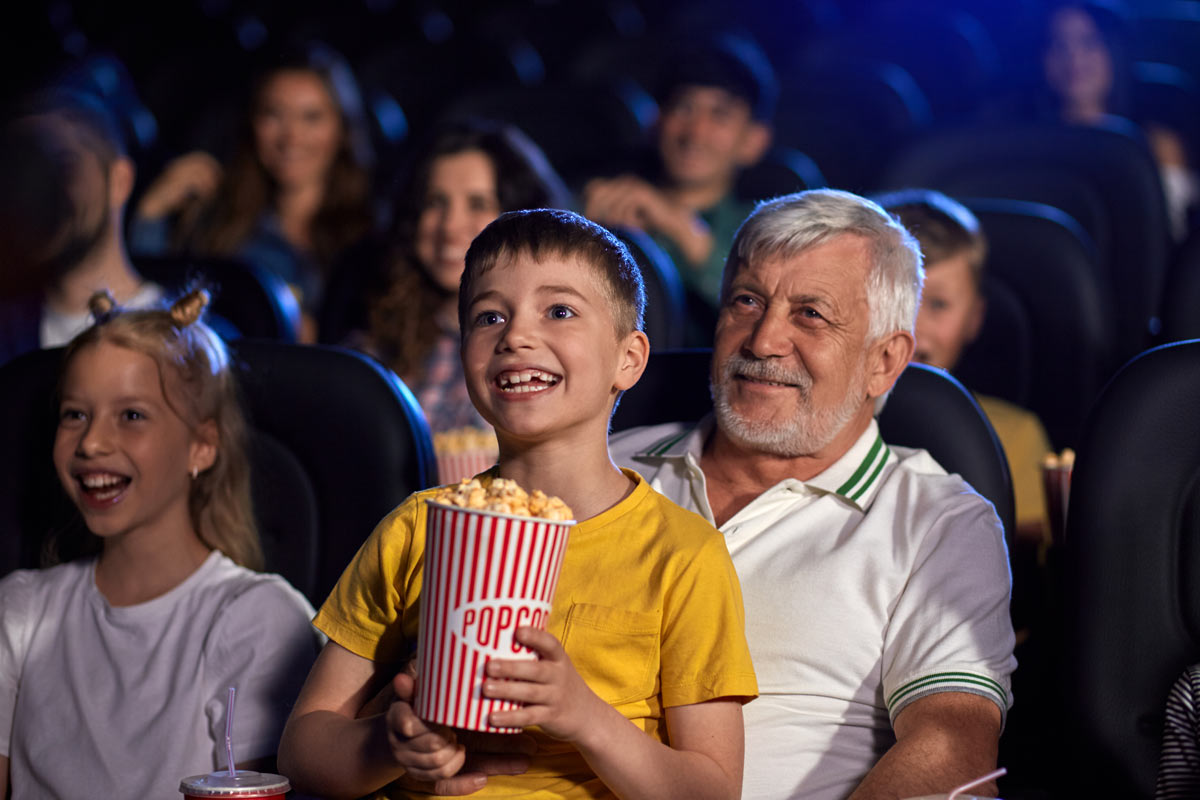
(245, 783)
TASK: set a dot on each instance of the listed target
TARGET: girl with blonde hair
(132, 640)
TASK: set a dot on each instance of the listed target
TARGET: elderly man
(876, 585)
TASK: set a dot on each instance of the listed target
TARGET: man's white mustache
(764, 370)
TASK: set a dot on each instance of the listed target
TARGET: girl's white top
(97, 701)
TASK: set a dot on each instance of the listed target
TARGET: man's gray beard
(806, 433)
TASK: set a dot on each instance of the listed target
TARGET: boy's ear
(205, 444)
(754, 144)
(975, 319)
(635, 352)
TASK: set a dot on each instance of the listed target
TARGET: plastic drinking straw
(1065, 483)
(977, 781)
(229, 730)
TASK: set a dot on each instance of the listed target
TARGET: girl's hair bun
(187, 309)
(102, 305)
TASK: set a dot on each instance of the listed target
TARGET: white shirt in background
(58, 328)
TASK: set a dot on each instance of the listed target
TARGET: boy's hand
(555, 697)
(463, 760)
(426, 753)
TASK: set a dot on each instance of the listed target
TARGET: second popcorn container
(487, 573)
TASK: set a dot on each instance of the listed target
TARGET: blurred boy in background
(951, 316)
(716, 105)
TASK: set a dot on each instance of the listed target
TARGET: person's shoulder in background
(1179, 763)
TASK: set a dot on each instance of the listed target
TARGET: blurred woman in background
(467, 174)
(1088, 76)
(296, 193)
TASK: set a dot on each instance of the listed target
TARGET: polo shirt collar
(855, 477)
(681, 444)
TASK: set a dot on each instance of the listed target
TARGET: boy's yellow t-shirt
(648, 607)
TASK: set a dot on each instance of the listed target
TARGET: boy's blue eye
(68, 415)
(488, 318)
(132, 415)
(561, 312)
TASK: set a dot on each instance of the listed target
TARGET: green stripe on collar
(876, 457)
(660, 448)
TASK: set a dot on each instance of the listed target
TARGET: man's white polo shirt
(875, 583)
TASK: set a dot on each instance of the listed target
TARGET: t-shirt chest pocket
(614, 650)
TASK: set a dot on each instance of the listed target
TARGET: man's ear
(121, 175)
(887, 358)
(755, 141)
(635, 352)
(205, 445)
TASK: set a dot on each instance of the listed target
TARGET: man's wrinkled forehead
(765, 251)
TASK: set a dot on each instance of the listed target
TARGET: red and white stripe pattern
(454, 467)
(486, 574)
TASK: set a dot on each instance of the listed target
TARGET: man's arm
(943, 740)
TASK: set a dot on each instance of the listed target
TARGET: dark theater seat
(1052, 164)
(1046, 340)
(666, 304)
(1133, 559)
(851, 141)
(1181, 300)
(255, 301)
(782, 170)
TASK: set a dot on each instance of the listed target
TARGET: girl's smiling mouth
(100, 489)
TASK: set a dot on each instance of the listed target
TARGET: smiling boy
(643, 666)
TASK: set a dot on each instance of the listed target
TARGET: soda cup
(486, 574)
(1056, 480)
(244, 784)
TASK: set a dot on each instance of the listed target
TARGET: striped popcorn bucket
(486, 574)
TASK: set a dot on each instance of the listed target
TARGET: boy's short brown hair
(943, 227)
(548, 231)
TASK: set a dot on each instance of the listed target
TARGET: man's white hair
(788, 225)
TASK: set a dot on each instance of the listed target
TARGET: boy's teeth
(515, 379)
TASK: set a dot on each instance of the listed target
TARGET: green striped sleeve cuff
(969, 682)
